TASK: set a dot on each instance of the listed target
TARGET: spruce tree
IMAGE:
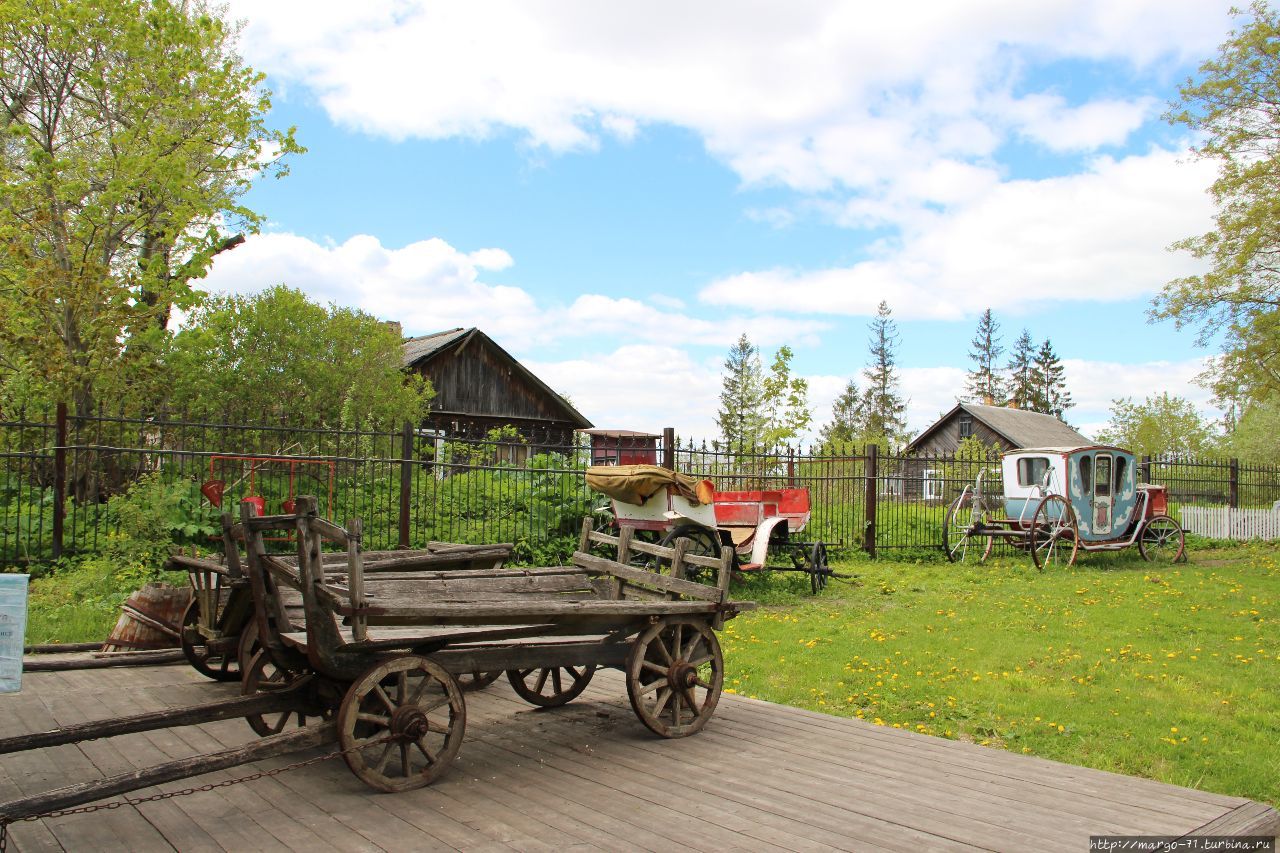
(741, 414)
(848, 418)
(884, 406)
(984, 384)
(1052, 396)
(1022, 373)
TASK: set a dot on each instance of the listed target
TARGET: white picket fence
(1220, 522)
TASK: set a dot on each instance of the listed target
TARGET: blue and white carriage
(1059, 501)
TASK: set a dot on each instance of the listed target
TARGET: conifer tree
(848, 418)
(984, 384)
(1022, 372)
(741, 414)
(1052, 396)
(882, 401)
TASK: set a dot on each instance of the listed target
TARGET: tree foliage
(740, 416)
(884, 407)
(276, 356)
(1050, 377)
(984, 383)
(1023, 384)
(1232, 107)
(131, 131)
(848, 419)
(786, 401)
(1161, 424)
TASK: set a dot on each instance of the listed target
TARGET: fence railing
(61, 474)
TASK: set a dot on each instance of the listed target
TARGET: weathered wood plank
(629, 574)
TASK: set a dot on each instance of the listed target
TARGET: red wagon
(754, 523)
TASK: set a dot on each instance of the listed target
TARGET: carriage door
(1102, 494)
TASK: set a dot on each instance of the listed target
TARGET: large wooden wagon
(383, 652)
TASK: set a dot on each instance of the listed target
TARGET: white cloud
(809, 94)
(1098, 236)
(429, 285)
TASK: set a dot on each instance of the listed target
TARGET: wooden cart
(382, 652)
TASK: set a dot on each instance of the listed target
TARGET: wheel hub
(409, 722)
(682, 676)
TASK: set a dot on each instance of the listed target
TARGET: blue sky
(614, 193)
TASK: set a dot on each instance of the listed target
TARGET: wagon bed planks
(587, 775)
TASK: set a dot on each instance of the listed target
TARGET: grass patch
(80, 603)
(1168, 672)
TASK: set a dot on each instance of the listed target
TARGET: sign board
(13, 628)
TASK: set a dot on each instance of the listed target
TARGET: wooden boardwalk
(588, 776)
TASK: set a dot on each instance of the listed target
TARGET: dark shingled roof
(1017, 426)
(414, 350)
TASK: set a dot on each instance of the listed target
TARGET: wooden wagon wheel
(702, 543)
(221, 665)
(470, 681)
(401, 723)
(1054, 536)
(1161, 540)
(249, 645)
(675, 672)
(263, 676)
(549, 687)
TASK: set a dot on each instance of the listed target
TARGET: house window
(966, 426)
(1031, 470)
(932, 484)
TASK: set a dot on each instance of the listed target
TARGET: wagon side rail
(621, 580)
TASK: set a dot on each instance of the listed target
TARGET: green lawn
(1170, 672)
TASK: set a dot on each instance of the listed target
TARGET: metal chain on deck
(168, 795)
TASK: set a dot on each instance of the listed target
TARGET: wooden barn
(922, 475)
(479, 386)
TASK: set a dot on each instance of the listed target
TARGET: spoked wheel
(675, 672)
(470, 681)
(249, 645)
(220, 665)
(818, 568)
(401, 723)
(1161, 540)
(957, 527)
(702, 543)
(263, 676)
(1053, 533)
(549, 687)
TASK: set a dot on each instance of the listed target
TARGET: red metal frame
(256, 462)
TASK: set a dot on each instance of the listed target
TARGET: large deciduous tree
(131, 132)
(278, 357)
(1232, 107)
(786, 401)
(1160, 425)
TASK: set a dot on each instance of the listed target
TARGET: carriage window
(1031, 470)
(1086, 474)
(1121, 466)
(1103, 464)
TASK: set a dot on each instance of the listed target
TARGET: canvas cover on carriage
(635, 484)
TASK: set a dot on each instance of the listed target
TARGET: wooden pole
(59, 478)
(1233, 498)
(872, 477)
(170, 771)
(669, 448)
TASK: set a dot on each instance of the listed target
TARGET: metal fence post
(406, 480)
(872, 475)
(59, 479)
(1233, 496)
(1145, 470)
(669, 448)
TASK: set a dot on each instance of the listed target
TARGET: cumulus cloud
(1096, 236)
(429, 285)
(808, 94)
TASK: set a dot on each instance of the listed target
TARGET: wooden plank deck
(588, 776)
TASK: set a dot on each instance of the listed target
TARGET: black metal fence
(65, 478)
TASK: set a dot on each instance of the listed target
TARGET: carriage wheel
(263, 676)
(818, 568)
(987, 548)
(1053, 533)
(550, 687)
(218, 665)
(401, 723)
(471, 681)
(956, 528)
(675, 672)
(249, 645)
(1161, 540)
(702, 543)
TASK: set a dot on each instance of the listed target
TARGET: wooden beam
(170, 771)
